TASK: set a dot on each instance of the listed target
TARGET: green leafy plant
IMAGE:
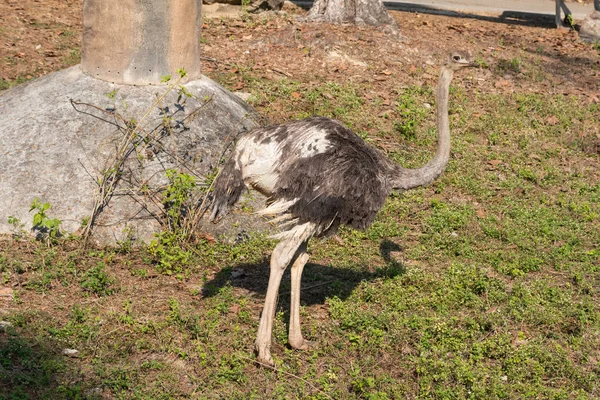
(513, 65)
(17, 226)
(168, 247)
(176, 196)
(411, 111)
(97, 281)
(169, 253)
(570, 21)
(47, 228)
(111, 95)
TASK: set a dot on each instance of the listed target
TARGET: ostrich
(318, 175)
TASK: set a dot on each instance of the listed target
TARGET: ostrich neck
(408, 178)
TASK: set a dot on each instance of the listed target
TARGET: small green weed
(46, 228)
(176, 196)
(97, 281)
(569, 20)
(17, 226)
(513, 65)
(412, 111)
(169, 253)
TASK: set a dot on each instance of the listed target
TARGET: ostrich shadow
(319, 281)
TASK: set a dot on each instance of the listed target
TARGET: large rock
(590, 28)
(52, 151)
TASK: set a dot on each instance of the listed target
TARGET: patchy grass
(495, 294)
(485, 285)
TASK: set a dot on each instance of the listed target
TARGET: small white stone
(454, 234)
(70, 352)
(4, 325)
(504, 378)
(97, 391)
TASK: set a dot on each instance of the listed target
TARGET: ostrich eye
(456, 58)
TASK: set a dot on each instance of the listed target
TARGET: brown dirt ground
(40, 36)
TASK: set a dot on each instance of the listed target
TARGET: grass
(491, 290)
(7, 84)
(496, 295)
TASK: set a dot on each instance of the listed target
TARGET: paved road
(491, 7)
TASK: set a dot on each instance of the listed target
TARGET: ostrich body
(318, 175)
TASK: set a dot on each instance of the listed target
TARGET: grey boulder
(52, 151)
(590, 28)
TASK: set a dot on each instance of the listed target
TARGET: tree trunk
(360, 12)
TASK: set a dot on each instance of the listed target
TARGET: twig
(112, 114)
(202, 209)
(308, 288)
(87, 172)
(197, 110)
(282, 72)
(96, 339)
(214, 60)
(112, 175)
(128, 144)
(110, 332)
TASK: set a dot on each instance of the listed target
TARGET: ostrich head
(458, 60)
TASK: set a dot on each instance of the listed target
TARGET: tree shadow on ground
(32, 369)
(507, 17)
(579, 70)
(319, 282)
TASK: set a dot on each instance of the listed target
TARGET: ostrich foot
(264, 355)
(301, 344)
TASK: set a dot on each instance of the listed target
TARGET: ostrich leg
(295, 334)
(284, 253)
(280, 258)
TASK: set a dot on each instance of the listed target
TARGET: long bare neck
(408, 178)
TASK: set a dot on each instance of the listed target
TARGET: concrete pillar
(138, 41)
